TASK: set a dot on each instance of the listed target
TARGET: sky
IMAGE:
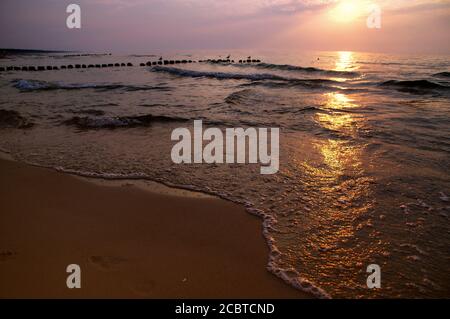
(141, 26)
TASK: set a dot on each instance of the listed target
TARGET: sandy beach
(129, 242)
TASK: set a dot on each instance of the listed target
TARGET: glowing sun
(346, 11)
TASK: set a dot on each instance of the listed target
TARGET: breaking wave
(87, 122)
(264, 79)
(288, 67)
(36, 85)
(220, 75)
(415, 86)
(302, 83)
(442, 75)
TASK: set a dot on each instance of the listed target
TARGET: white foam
(27, 85)
(219, 75)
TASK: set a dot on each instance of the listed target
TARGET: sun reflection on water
(341, 194)
(338, 156)
(339, 101)
(345, 61)
(338, 118)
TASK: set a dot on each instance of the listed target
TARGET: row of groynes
(63, 67)
(111, 65)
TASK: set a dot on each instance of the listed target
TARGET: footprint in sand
(106, 262)
(6, 255)
(145, 288)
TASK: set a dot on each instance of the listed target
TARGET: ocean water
(364, 150)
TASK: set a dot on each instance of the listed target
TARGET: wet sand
(129, 242)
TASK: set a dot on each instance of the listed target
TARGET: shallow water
(364, 163)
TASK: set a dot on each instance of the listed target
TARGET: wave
(219, 75)
(415, 86)
(288, 67)
(87, 122)
(238, 97)
(89, 112)
(382, 63)
(275, 81)
(304, 83)
(36, 85)
(442, 75)
(13, 119)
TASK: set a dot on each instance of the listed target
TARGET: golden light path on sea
(345, 61)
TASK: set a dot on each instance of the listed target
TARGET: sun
(346, 11)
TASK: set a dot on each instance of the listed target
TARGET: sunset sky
(410, 26)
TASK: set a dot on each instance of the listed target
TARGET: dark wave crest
(36, 85)
(288, 67)
(264, 79)
(118, 122)
(13, 119)
(218, 75)
(415, 86)
(297, 83)
(442, 75)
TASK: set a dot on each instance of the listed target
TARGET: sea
(364, 175)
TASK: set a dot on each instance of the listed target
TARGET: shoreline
(130, 242)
